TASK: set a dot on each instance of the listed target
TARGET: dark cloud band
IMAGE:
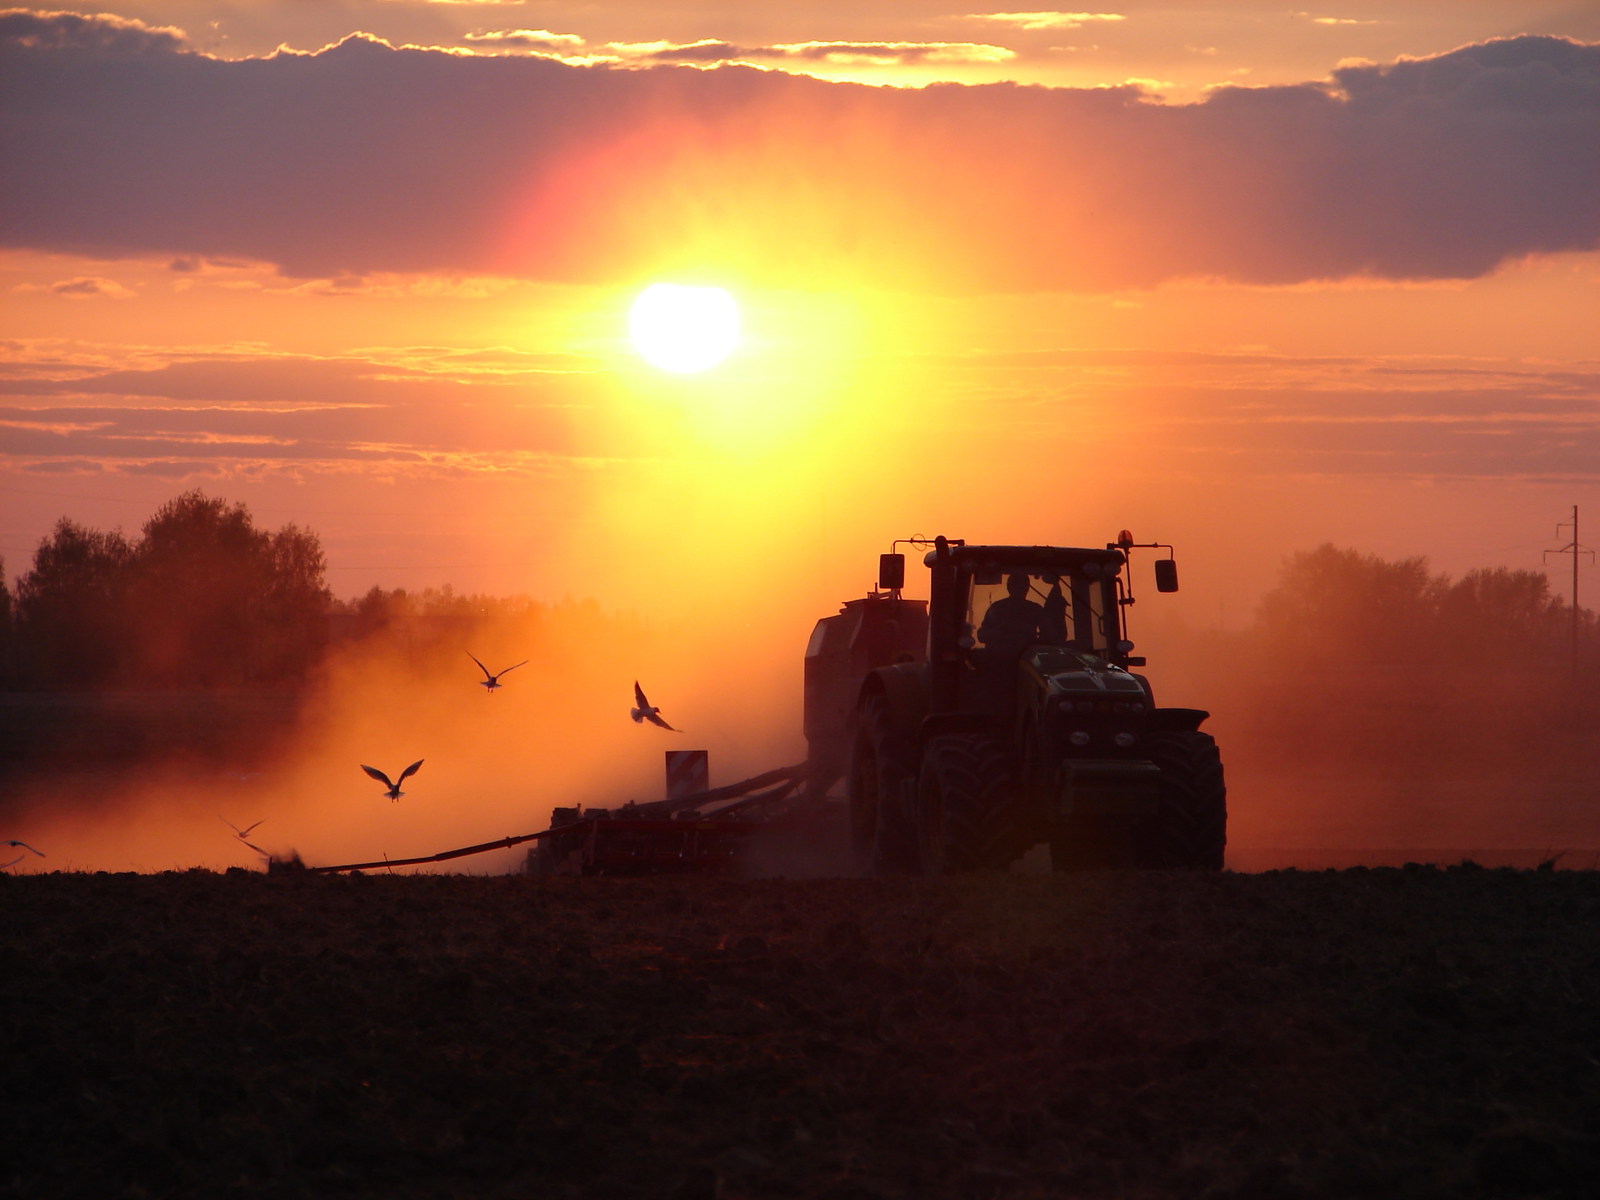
(119, 141)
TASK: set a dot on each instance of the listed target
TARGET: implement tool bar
(792, 774)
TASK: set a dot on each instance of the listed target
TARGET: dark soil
(1362, 1033)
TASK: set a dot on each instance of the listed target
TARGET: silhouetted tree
(1511, 610)
(218, 601)
(197, 571)
(7, 621)
(1334, 604)
(291, 609)
(377, 609)
(71, 617)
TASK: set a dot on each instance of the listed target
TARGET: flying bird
(240, 833)
(394, 792)
(645, 711)
(20, 857)
(492, 681)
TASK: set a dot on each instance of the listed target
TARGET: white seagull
(20, 857)
(645, 711)
(394, 792)
(493, 681)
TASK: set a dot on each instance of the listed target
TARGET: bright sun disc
(684, 329)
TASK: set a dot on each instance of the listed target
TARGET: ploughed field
(1406, 1032)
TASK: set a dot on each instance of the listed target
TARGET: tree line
(1333, 606)
(202, 598)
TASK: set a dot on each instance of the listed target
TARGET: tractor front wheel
(969, 805)
(1191, 826)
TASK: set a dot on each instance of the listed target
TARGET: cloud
(363, 159)
(541, 40)
(102, 34)
(427, 411)
(884, 53)
(1033, 22)
(424, 407)
(1315, 20)
(880, 54)
(88, 287)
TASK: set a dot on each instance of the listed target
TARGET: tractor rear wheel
(880, 783)
(969, 805)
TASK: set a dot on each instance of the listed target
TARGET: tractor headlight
(1124, 740)
(1078, 737)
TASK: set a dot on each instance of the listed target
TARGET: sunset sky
(1236, 276)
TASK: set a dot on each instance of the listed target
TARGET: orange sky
(1237, 277)
(1242, 278)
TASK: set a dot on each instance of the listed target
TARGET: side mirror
(891, 572)
(1166, 575)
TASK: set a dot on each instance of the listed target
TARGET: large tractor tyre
(1190, 829)
(970, 808)
(881, 780)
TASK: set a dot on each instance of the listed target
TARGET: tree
(71, 617)
(1506, 608)
(7, 625)
(1331, 603)
(291, 609)
(217, 601)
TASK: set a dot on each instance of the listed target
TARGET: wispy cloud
(424, 411)
(838, 53)
(1316, 20)
(528, 39)
(1034, 22)
(396, 408)
(90, 287)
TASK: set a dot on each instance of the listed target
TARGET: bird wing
(411, 770)
(378, 775)
(481, 667)
(513, 667)
(638, 695)
(657, 719)
(25, 846)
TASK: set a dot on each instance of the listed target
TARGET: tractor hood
(1062, 670)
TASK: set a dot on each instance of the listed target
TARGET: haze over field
(1237, 277)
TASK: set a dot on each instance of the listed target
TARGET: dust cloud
(1334, 761)
(556, 732)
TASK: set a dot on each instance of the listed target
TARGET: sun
(684, 329)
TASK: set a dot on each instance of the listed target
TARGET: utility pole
(1574, 548)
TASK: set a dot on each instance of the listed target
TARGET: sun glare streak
(684, 329)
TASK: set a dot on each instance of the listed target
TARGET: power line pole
(1574, 548)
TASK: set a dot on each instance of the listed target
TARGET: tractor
(1004, 713)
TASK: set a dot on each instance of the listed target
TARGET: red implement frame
(683, 835)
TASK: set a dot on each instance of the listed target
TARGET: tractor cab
(996, 611)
